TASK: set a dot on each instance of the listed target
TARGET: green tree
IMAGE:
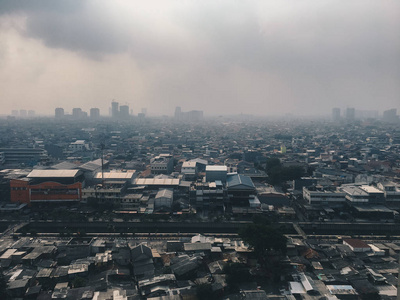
(263, 238)
(204, 292)
(3, 287)
(273, 162)
(292, 172)
(275, 175)
(78, 282)
(236, 273)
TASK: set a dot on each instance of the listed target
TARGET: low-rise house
(197, 247)
(150, 285)
(163, 199)
(142, 260)
(184, 266)
(162, 164)
(16, 288)
(321, 196)
(357, 245)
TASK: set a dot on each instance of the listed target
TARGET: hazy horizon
(222, 57)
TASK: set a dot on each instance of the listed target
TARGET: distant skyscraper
(59, 112)
(366, 114)
(76, 113)
(335, 114)
(144, 111)
(22, 113)
(124, 111)
(31, 113)
(194, 115)
(350, 113)
(390, 116)
(95, 113)
(14, 113)
(114, 109)
(178, 113)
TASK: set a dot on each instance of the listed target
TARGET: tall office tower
(335, 114)
(76, 113)
(59, 112)
(366, 114)
(94, 113)
(124, 111)
(114, 109)
(178, 113)
(144, 111)
(14, 113)
(31, 113)
(390, 116)
(194, 115)
(350, 113)
(22, 113)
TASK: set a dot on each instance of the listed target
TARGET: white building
(214, 173)
(162, 164)
(391, 191)
(323, 196)
(364, 194)
(355, 195)
(163, 199)
(79, 145)
(189, 169)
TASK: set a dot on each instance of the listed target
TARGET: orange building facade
(24, 192)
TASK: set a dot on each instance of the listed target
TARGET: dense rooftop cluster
(159, 175)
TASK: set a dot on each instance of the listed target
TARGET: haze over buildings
(262, 58)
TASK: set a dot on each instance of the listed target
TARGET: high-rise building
(76, 113)
(94, 113)
(194, 115)
(59, 112)
(350, 113)
(31, 113)
(114, 109)
(144, 111)
(124, 111)
(335, 114)
(178, 113)
(22, 113)
(390, 116)
(366, 114)
(14, 113)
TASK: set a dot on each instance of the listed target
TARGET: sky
(267, 57)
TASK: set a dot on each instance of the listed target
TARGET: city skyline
(261, 58)
(124, 112)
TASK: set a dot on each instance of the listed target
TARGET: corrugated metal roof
(189, 164)
(93, 165)
(155, 181)
(237, 179)
(216, 168)
(53, 173)
(115, 175)
(165, 194)
(65, 165)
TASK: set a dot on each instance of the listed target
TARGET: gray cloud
(320, 53)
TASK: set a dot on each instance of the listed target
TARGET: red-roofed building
(47, 186)
(357, 245)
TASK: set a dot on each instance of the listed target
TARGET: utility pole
(102, 164)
